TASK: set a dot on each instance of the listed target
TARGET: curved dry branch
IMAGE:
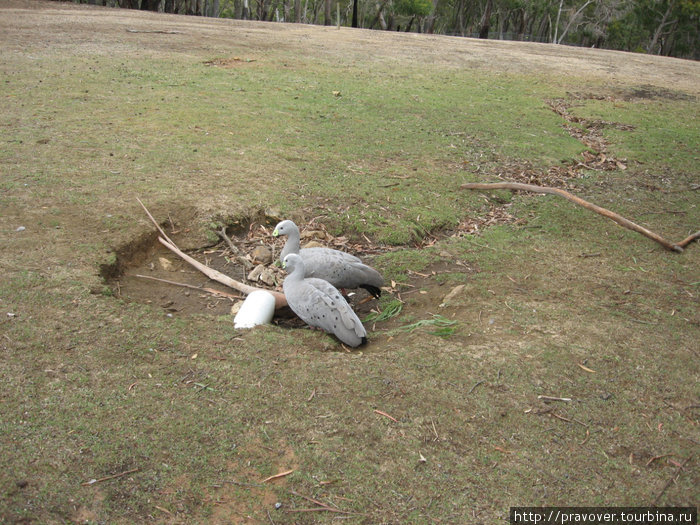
(674, 247)
(215, 275)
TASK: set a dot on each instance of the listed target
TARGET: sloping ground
(569, 376)
(149, 33)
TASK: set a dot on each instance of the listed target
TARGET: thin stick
(154, 222)
(191, 286)
(385, 415)
(321, 506)
(588, 435)
(602, 211)
(437, 438)
(321, 509)
(113, 476)
(222, 234)
(657, 457)
(184, 285)
(685, 242)
(673, 478)
(276, 476)
(478, 383)
(312, 500)
(550, 398)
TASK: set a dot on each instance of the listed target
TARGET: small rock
(236, 307)
(261, 255)
(268, 277)
(313, 244)
(20, 229)
(314, 234)
(278, 505)
(166, 264)
(254, 274)
(453, 293)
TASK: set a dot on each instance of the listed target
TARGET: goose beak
(275, 233)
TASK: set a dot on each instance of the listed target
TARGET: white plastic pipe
(258, 308)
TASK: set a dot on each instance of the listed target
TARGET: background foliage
(663, 27)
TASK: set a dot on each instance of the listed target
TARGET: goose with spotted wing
(319, 304)
(340, 269)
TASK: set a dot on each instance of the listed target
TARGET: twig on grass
(381, 413)
(657, 457)
(673, 479)
(277, 476)
(588, 436)
(475, 385)
(437, 437)
(321, 506)
(674, 247)
(241, 483)
(113, 476)
(550, 398)
(163, 509)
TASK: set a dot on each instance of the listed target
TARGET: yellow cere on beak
(275, 233)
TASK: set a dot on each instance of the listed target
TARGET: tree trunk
(354, 13)
(378, 17)
(430, 21)
(149, 5)
(556, 24)
(327, 13)
(410, 24)
(486, 20)
(297, 11)
(660, 28)
(572, 19)
(522, 23)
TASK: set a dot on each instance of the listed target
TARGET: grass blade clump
(444, 327)
(392, 309)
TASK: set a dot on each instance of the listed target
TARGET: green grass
(96, 386)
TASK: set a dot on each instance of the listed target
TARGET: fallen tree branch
(192, 287)
(215, 275)
(233, 247)
(677, 247)
(685, 242)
